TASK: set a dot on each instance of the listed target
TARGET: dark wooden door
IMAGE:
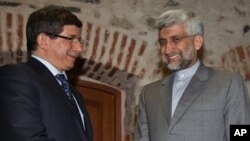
(104, 106)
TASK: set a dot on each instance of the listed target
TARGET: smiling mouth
(173, 55)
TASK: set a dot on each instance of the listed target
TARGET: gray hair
(192, 23)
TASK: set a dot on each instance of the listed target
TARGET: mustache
(173, 53)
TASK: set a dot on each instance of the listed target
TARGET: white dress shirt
(181, 80)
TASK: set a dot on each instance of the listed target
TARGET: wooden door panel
(101, 109)
(104, 107)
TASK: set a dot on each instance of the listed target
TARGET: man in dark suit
(193, 103)
(36, 102)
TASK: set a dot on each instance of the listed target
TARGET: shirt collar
(186, 73)
(51, 68)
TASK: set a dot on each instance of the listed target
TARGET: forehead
(177, 29)
(71, 30)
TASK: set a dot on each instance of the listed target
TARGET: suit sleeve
(237, 109)
(20, 118)
(141, 129)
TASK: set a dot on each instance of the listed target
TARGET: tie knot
(61, 78)
(65, 85)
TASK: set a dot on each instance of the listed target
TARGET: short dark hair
(49, 19)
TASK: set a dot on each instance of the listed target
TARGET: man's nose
(169, 47)
(78, 47)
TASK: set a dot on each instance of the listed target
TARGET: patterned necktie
(68, 90)
(66, 87)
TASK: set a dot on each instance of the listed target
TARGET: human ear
(42, 41)
(198, 42)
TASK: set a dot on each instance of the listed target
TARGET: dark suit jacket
(212, 101)
(34, 107)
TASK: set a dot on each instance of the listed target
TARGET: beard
(183, 62)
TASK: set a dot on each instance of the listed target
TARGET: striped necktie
(66, 87)
(69, 92)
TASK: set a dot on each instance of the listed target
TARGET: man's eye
(162, 42)
(176, 39)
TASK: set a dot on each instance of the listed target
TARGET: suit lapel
(166, 97)
(50, 81)
(191, 93)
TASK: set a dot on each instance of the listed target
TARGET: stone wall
(121, 50)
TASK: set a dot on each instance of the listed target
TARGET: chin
(69, 66)
(174, 66)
